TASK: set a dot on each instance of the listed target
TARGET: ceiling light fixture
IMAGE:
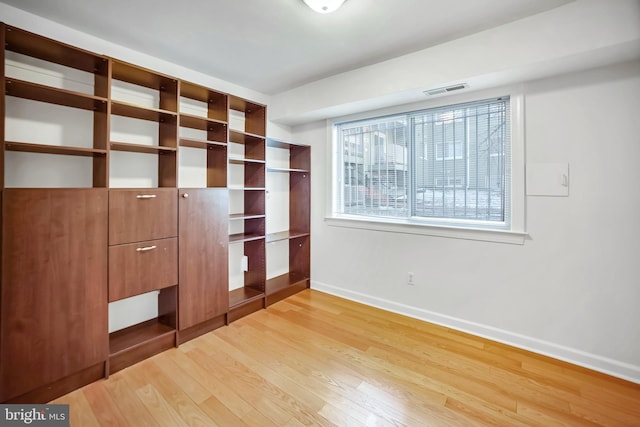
(324, 6)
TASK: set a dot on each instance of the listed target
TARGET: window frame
(440, 227)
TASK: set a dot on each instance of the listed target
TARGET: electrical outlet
(244, 264)
(410, 281)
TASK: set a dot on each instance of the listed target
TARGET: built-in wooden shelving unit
(160, 241)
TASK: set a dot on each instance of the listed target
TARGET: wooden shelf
(281, 287)
(285, 235)
(235, 217)
(240, 137)
(216, 101)
(30, 44)
(137, 335)
(201, 123)
(297, 236)
(135, 343)
(275, 143)
(234, 188)
(240, 104)
(53, 149)
(279, 283)
(255, 115)
(286, 170)
(244, 237)
(51, 95)
(241, 161)
(240, 296)
(141, 76)
(201, 143)
(140, 148)
(133, 111)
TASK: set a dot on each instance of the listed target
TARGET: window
(442, 166)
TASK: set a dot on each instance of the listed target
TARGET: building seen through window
(451, 162)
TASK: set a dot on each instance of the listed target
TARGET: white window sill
(408, 227)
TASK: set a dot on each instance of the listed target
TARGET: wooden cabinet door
(203, 242)
(136, 215)
(54, 286)
(137, 268)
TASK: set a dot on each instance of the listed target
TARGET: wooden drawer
(142, 267)
(142, 214)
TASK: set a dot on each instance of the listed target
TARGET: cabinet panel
(54, 286)
(142, 214)
(203, 255)
(142, 267)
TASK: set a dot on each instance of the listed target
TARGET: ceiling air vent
(446, 89)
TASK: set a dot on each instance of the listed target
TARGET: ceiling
(275, 45)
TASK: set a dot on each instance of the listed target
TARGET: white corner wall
(571, 291)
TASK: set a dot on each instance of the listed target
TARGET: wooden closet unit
(213, 124)
(54, 291)
(203, 213)
(94, 99)
(143, 222)
(203, 289)
(250, 220)
(53, 309)
(100, 214)
(297, 170)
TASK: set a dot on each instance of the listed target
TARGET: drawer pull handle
(146, 248)
(146, 196)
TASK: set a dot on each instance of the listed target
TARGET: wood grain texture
(136, 215)
(137, 268)
(300, 201)
(204, 265)
(315, 359)
(54, 286)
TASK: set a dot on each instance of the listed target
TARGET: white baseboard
(598, 363)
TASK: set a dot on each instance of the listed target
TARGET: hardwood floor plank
(220, 414)
(463, 367)
(602, 415)
(400, 352)
(80, 411)
(197, 392)
(228, 397)
(312, 392)
(225, 341)
(262, 396)
(136, 413)
(485, 416)
(315, 359)
(545, 418)
(304, 404)
(255, 418)
(177, 398)
(413, 390)
(103, 406)
(328, 380)
(160, 409)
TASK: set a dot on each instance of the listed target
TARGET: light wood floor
(315, 359)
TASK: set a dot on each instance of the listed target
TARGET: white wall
(572, 290)
(578, 35)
